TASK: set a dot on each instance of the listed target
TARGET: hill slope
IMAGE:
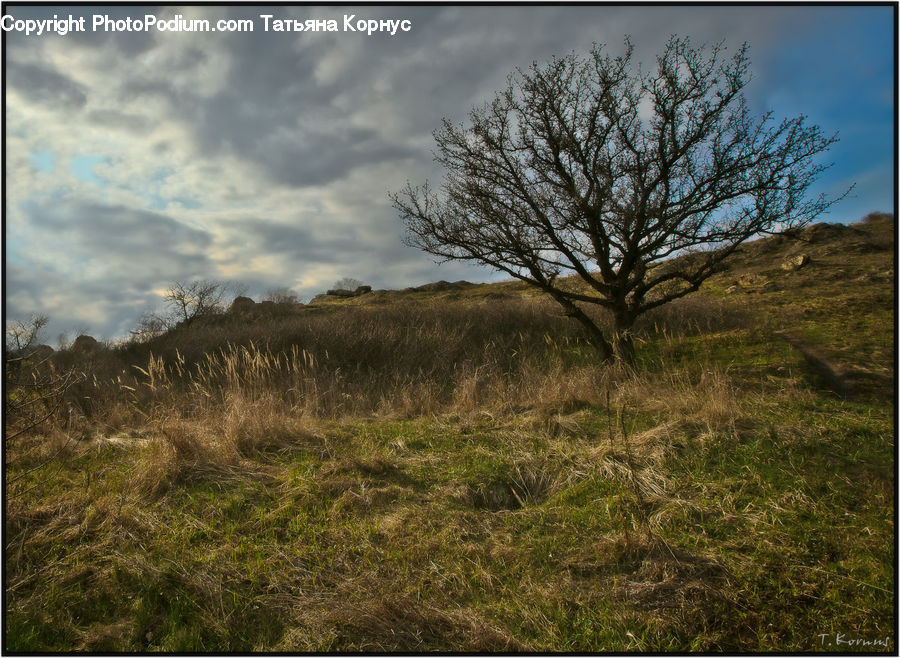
(451, 469)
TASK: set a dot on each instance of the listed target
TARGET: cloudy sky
(265, 158)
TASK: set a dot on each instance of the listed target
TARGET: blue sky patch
(82, 168)
(43, 161)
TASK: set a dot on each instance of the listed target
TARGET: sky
(135, 159)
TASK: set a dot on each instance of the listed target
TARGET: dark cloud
(298, 150)
(301, 241)
(300, 125)
(122, 120)
(45, 85)
(119, 229)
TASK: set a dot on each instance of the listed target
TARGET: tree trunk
(623, 345)
(598, 340)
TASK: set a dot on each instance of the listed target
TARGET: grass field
(454, 470)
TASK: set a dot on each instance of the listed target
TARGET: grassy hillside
(452, 469)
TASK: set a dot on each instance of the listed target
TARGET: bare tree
(34, 395)
(185, 302)
(347, 283)
(587, 167)
(150, 325)
(281, 296)
(188, 301)
(21, 337)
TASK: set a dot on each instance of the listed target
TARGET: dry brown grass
(391, 623)
(402, 360)
(221, 446)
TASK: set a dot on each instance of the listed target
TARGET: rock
(795, 263)
(440, 286)
(85, 344)
(362, 290)
(241, 305)
(750, 280)
(340, 292)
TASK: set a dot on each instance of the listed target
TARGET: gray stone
(85, 344)
(241, 305)
(795, 263)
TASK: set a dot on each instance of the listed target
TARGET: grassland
(454, 470)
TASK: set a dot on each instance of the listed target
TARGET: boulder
(340, 292)
(85, 344)
(795, 263)
(241, 305)
(362, 290)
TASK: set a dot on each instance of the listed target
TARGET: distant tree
(347, 283)
(587, 167)
(188, 301)
(150, 326)
(281, 296)
(34, 393)
(21, 337)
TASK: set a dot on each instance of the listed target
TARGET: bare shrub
(347, 283)
(877, 217)
(150, 325)
(35, 403)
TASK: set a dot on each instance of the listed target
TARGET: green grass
(777, 532)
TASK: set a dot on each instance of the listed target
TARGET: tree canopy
(589, 166)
